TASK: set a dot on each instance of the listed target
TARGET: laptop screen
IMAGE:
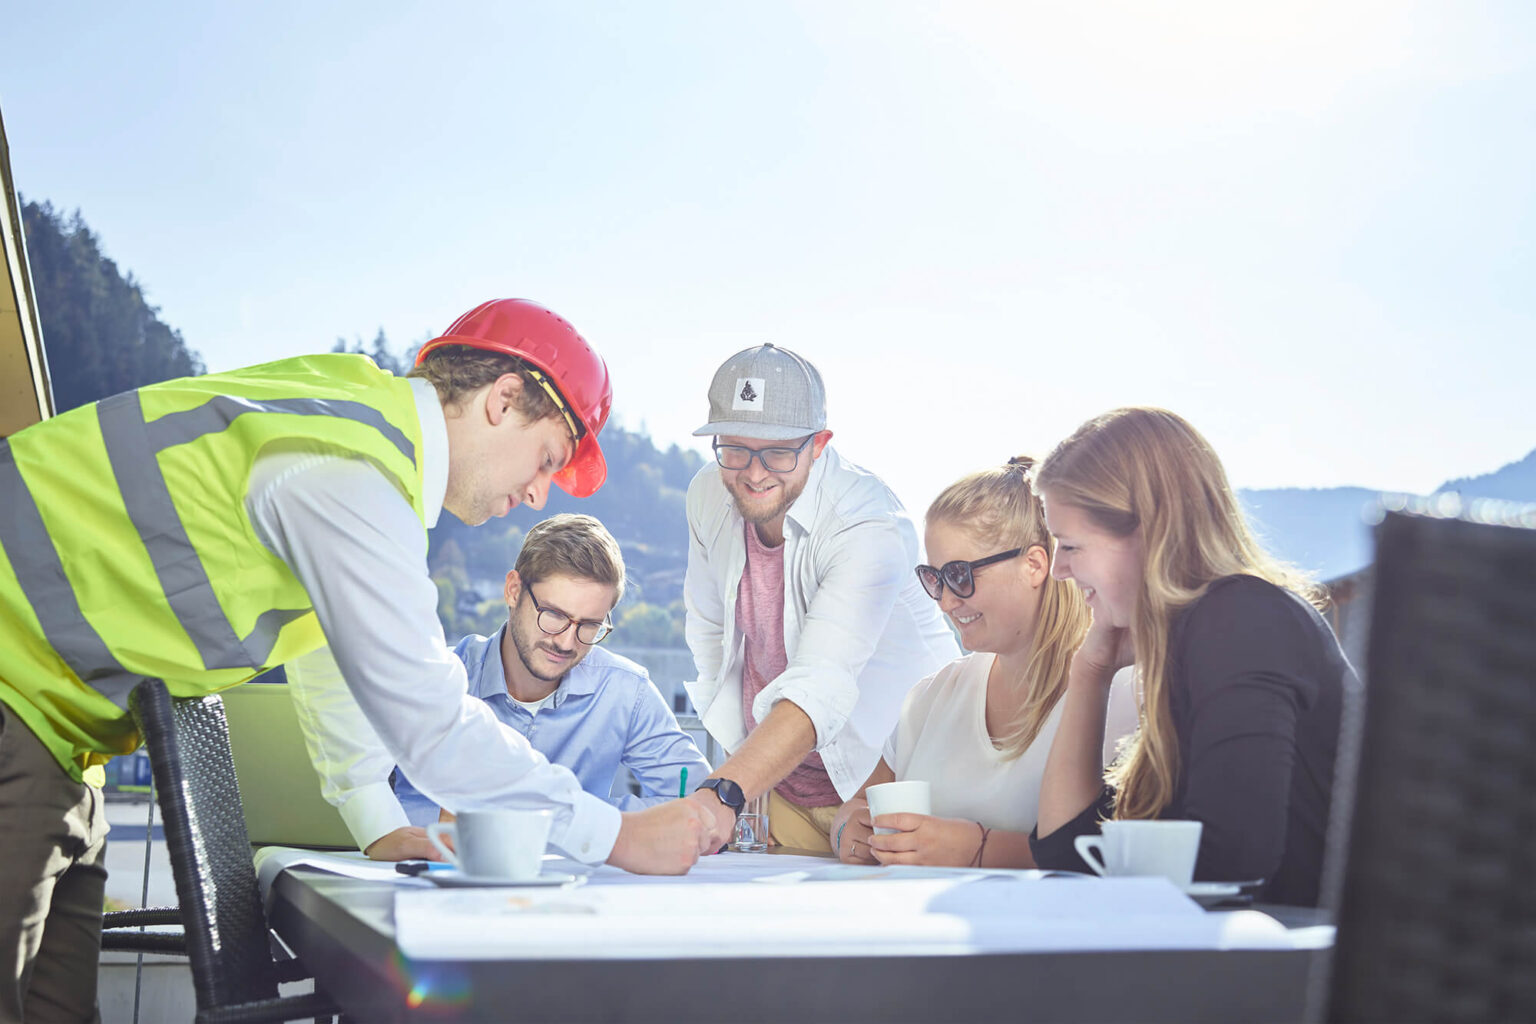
(279, 787)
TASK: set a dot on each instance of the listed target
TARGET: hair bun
(1024, 463)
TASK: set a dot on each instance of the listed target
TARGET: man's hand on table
(660, 840)
(721, 820)
(409, 843)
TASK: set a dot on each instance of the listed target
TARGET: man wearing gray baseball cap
(806, 622)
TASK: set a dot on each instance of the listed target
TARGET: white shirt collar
(434, 449)
(802, 512)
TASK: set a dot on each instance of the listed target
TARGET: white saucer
(454, 878)
(1213, 889)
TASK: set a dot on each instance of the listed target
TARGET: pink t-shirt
(760, 619)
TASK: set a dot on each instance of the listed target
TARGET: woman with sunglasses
(1241, 679)
(978, 730)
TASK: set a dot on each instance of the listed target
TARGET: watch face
(729, 793)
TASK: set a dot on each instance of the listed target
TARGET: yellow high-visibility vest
(126, 552)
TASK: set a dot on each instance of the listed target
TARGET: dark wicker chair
(1437, 907)
(119, 931)
(226, 937)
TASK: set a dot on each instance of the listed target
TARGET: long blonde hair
(1149, 470)
(1000, 504)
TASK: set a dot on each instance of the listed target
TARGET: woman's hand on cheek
(1107, 648)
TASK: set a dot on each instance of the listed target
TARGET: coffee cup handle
(438, 828)
(1091, 849)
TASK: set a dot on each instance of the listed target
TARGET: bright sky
(1307, 227)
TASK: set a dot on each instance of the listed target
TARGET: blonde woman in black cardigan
(1241, 680)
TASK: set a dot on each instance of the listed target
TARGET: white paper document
(782, 868)
(1011, 912)
(724, 867)
(272, 861)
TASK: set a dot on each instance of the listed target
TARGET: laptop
(279, 788)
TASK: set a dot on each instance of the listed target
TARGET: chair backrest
(1437, 911)
(205, 836)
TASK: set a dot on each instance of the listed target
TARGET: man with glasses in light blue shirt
(543, 674)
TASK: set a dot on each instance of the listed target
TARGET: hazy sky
(1306, 227)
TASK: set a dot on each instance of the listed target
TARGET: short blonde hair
(1000, 505)
(570, 544)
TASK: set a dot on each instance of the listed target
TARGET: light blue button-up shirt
(605, 713)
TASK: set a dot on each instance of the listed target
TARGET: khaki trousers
(800, 828)
(53, 879)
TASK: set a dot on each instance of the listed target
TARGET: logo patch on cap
(749, 394)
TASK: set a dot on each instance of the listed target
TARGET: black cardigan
(1256, 684)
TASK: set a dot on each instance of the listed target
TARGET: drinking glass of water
(752, 834)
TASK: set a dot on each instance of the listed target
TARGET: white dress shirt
(858, 628)
(388, 690)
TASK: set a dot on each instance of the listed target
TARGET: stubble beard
(758, 514)
(526, 646)
(471, 505)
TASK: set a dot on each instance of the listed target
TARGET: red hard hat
(577, 377)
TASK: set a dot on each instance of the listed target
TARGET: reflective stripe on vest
(132, 446)
(41, 575)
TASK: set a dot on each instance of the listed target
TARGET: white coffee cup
(1166, 848)
(907, 797)
(506, 844)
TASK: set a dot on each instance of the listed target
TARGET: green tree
(447, 598)
(644, 625)
(380, 353)
(102, 336)
(678, 612)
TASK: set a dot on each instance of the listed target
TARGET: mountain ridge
(1323, 530)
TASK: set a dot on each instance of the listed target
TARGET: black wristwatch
(729, 793)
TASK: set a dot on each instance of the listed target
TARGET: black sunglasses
(959, 576)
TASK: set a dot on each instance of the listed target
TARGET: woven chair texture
(116, 937)
(226, 932)
(1437, 919)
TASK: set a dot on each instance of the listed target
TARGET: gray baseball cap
(767, 393)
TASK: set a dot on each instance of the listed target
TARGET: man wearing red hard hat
(523, 398)
(570, 380)
(206, 529)
(503, 356)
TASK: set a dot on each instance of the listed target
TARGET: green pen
(682, 785)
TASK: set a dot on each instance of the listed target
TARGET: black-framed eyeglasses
(774, 460)
(555, 622)
(959, 576)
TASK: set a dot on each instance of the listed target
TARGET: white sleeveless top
(942, 737)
